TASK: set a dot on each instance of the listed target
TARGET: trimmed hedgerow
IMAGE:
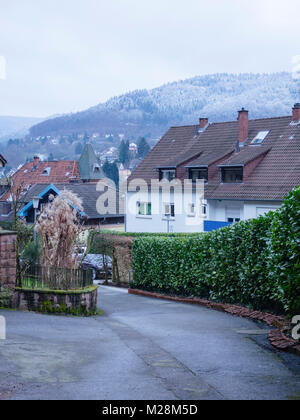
(254, 263)
(285, 252)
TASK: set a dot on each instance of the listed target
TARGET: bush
(253, 263)
(285, 252)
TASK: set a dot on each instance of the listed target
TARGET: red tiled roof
(62, 172)
(275, 175)
(246, 155)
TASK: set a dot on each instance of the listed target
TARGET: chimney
(296, 113)
(243, 125)
(36, 160)
(203, 122)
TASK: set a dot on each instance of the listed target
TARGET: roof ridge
(183, 126)
(234, 121)
(254, 119)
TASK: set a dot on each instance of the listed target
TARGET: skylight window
(259, 139)
(46, 172)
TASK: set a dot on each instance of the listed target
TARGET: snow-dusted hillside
(217, 97)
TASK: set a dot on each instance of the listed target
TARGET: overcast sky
(67, 55)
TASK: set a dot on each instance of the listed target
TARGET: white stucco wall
(217, 210)
(220, 210)
(157, 223)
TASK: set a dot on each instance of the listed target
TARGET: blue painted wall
(209, 225)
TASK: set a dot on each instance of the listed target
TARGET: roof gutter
(237, 165)
(196, 166)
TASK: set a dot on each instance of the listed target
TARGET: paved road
(142, 349)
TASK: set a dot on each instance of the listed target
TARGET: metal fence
(53, 278)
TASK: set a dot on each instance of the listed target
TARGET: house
(245, 169)
(90, 194)
(87, 169)
(36, 176)
(133, 148)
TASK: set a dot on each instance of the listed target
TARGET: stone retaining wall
(7, 267)
(77, 302)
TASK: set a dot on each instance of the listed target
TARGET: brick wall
(7, 259)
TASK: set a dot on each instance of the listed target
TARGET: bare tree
(24, 233)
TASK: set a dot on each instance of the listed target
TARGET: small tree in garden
(59, 226)
(27, 251)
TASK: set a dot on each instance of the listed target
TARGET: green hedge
(255, 263)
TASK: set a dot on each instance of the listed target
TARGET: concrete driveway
(142, 348)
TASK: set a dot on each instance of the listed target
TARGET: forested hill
(150, 112)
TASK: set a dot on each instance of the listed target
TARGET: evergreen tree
(86, 137)
(124, 152)
(143, 148)
(111, 171)
(78, 149)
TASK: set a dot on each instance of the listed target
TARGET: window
(259, 139)
(169, 210)
(195, 174)
(144, 209)
(232, 175)
(192, 210)
(168, 174)
(233, 214)
(201, 211)
(96, 167)
(46, 172)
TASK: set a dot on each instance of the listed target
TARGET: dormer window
(96, 167)
(167, 174)
(232, 175)
(46, 172)
(259, 139)
(199, 173)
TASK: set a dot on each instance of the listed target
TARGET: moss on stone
(88, 289)
(59, 302)
(61, 309)
(6, 298)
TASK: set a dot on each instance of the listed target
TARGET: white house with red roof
(245, 169)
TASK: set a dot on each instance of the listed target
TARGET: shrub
(285, 251)
(255, 263)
